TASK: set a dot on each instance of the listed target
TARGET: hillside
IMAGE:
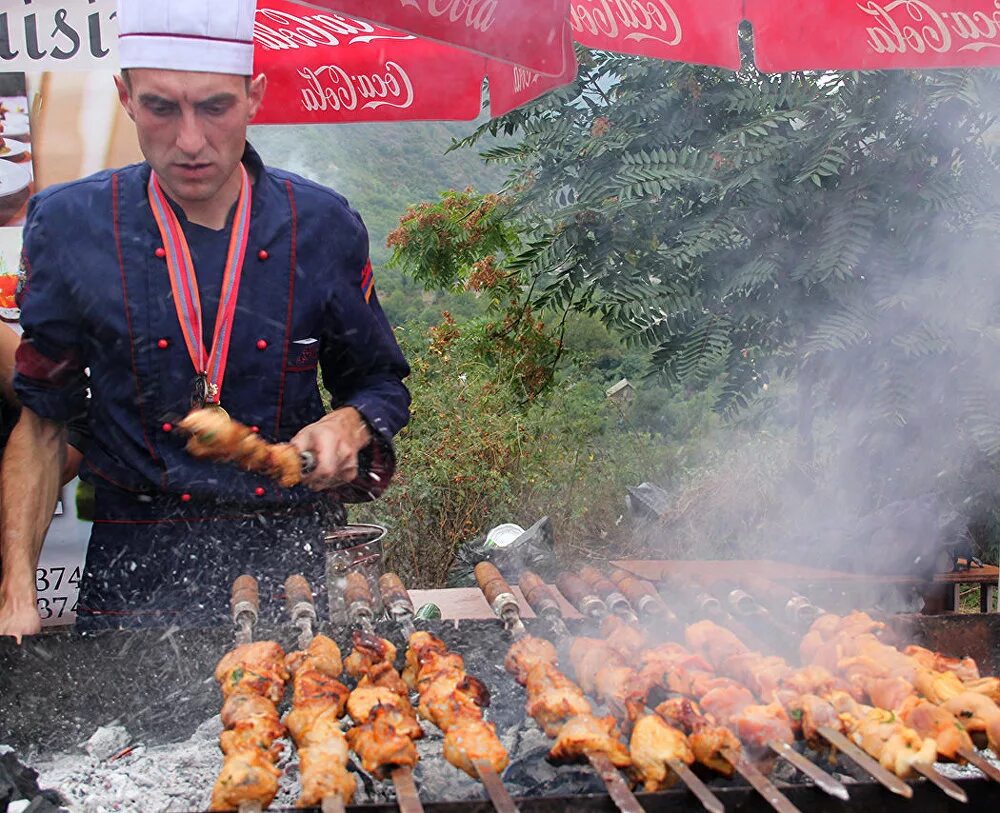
(381, 169)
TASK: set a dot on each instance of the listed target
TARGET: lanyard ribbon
(210, 366)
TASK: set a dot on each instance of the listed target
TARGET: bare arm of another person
(29, 486)
(9, 340)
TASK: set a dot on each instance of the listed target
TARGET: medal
(209, 365)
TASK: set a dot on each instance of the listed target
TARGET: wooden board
(469, 602)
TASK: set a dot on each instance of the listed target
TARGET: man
(199, 276)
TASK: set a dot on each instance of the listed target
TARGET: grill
(57, 689)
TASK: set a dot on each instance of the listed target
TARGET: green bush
(476, 454)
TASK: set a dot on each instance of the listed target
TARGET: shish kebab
(471, 744)
(252, 678)
(660, 754)
(713, 746)
(385, 722)
(957, 703)
(649, 599)
(821, 702)
(555, 702)
(802, 690)
(318, 703)
(808, 685)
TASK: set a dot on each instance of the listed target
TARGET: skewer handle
(245, 598)
(357, 590)
(492, 583)
(539, 595)
(394, 594)
(580, 594)
(298, 596)
(500, 597)
(607, 590)
(782, 600)
(640, 593)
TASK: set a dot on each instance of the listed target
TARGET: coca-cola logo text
(524, 79)
(479, 15)
(330, 87)
(627, 19)
(914, 25)
(277, 30)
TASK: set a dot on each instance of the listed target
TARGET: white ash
(174, 777)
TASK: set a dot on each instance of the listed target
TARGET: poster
(58, 35)
(17, 181)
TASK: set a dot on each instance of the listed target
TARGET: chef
(199, 277)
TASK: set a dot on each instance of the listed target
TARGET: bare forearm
(32, 468)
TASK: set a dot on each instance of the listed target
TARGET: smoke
(880, 454)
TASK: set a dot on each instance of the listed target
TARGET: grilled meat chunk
(471, 739)
(527, 652)
(586, 734)
(257, 668)
(246, 776)
(652, 745)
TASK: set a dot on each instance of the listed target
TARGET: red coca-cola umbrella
(326, 65)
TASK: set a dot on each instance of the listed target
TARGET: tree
(838, 229)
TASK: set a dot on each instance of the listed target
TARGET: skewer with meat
(252, 679)
(318, 703)
(213, 435)
(454, 701)
(560, 707)
(955, 703)
(385, 722)
(823, 705)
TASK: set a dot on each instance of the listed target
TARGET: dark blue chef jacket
(171, 531)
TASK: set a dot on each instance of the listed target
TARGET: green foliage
(836, 229)
(381, 169)
(455, 242)
(475, 455)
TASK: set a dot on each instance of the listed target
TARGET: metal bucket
(358, 549)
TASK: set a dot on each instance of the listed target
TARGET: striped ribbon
(184, 284)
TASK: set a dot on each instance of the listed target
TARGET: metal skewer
(244, 602)
(760, 783)
(618, 790)
(299, 601)
(494, 787)
(942, 782)
(821, 778)
(701, 791)
(504, 604)
(977, 760)
(870, 766)
(397, 601)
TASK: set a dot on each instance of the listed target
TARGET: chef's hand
(334, 440)
(19, 617)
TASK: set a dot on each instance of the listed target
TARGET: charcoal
(19, 782)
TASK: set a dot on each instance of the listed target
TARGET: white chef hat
(213, 36)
